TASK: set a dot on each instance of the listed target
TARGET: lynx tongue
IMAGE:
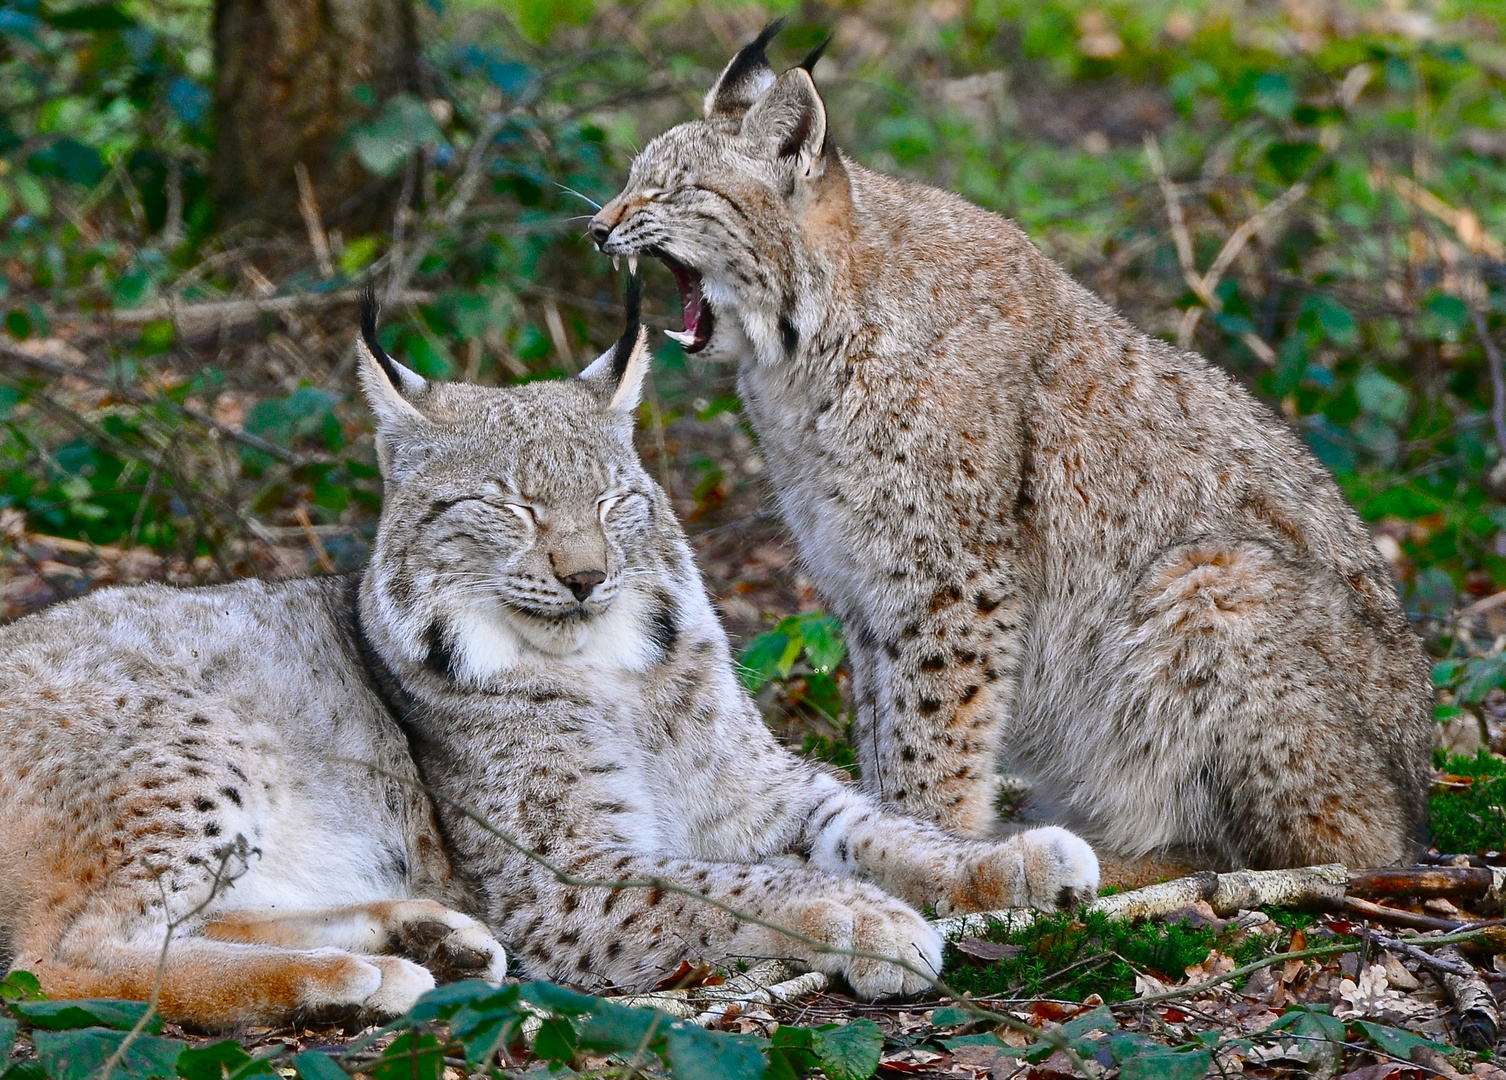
(697, 314)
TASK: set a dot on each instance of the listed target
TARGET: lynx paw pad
(403, 983)
(454, 946)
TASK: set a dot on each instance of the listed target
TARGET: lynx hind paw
(1061, 871)
(451, 945)
(403, 983)
(885, 928)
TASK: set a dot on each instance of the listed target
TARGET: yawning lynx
(1052, 539)
(532, 639)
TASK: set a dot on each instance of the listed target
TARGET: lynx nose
(582, 582)
(599, 230)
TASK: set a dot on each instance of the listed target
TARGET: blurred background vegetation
(1311, 192)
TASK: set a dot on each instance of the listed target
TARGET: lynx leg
(451, 945)
(218, 984)
(931, 705)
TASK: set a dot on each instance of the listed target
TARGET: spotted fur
(533, 642)
(1053, 540)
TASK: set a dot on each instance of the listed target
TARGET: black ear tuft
(369, 335)
(632, 306)
(745, 77)
(809, 63)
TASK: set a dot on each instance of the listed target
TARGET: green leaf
(412, 1056)
(557, 999)
(822, 637)
(694, 1053)
(77, 1055)
(444, 1001)
(225, 1060)
(616, 1028)
(1444, 671)
(760, 660)
(1444, 318)
(21, 986)
(90, 17)
(1099, 1018)
(1396, 1042)
(950, 1016)
(312, 1065)
(62, 1015)
(156, 337)
(850, 1051)
(8, 1029)
(1162, 1063)
(1291, 159)
(556, 1040)
(1481, 675)
(1381, 396)
(792, 1053)
(1274, 95)
(402, 127)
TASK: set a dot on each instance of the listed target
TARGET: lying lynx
(533, 640)
(1052, 539)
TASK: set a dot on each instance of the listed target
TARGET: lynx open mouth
(698, 317)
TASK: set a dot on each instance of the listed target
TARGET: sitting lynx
(533, 640)
(1052, 539)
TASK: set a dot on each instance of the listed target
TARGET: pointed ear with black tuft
(811, 58)
(791, 120)
(745, 78)
(390, 388)
(618, 373)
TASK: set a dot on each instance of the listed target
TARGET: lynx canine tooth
(633, 265)
(616, 263)
(684, 337)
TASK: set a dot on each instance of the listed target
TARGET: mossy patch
(1468, 817)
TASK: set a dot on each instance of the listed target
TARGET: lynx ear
(389, 387)
(618, 373)
(791, 117)
(745, 79)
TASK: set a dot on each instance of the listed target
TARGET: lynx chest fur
(1055, 542)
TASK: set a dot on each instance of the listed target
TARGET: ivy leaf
(792, 1053)
(613, 1028)
(1396, 1042)
(694, 1053)
(312, 1065)
(760, 661)
(412, 1056)
(63, 1015)
(445, 1001)
(77, 1055)
(850, 1051)
(1164, 1063)
(558, 1000)
(21, 986)
(556, 1040)
(822, 636)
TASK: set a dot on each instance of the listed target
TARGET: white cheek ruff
(489, 641)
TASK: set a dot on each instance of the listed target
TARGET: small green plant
(1468, 819)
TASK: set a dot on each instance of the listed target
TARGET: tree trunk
(293, 77)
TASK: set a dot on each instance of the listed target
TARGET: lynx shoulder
(1055, 541)
(244, 767)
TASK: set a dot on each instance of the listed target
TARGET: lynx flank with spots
(1055, 542)
(531, 640)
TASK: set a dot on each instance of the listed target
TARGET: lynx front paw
(1046, 868)
(451, 945)
(882, 927)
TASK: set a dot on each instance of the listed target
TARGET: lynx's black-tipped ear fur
(809, 63)
(390, 388)
(619, 372)
(745, 78)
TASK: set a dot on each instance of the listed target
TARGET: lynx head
(732, 202)
(515, 518)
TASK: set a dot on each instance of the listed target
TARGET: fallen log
(1451, 882)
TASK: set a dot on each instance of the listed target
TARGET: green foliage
(1472, 819)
